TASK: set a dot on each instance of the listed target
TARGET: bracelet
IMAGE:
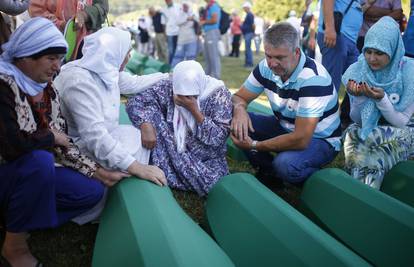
(253, 147)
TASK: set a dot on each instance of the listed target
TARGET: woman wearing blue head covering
(34, 193)
(381, 89)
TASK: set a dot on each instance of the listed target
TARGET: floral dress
(385, 146)
(204, 161)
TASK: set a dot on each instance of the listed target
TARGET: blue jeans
(293, 166)
(172, 45)
(248, 37)
(408, 36)
(185, 52)
(337, 59)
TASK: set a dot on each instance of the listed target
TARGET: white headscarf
(32, 37)
(189, 79)
(103, 53)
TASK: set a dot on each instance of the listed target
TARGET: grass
(72, 245)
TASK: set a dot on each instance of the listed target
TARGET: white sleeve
(356, 106)
(132, 84)
(84, 100)
(394, 117)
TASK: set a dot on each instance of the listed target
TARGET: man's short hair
(282, 33)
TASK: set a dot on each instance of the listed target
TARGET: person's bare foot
(16, 251)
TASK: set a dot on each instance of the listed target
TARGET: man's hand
(241, 123)
(61, 139)
(148, 135)
(245, 144)
(330, 37)
(109, 178)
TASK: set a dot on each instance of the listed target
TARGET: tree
(274, 11)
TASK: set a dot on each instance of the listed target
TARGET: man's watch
(253, 147)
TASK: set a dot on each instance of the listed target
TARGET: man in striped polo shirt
(305, 129)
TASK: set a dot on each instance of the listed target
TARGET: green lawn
(72, 245)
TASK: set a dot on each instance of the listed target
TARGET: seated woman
(381, 89)
(90, 90)
(185, 120)
(35, 193)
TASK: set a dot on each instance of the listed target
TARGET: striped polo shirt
(308, 93)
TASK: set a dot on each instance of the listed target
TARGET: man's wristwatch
(253, 147)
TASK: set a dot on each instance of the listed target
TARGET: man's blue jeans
(337, 59)
(248, 37)
(172, 45)
(185, 52)
(293, 166)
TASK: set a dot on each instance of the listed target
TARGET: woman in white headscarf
(90, 90)
(185, 120)
(34, 193)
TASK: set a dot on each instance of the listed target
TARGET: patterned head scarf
(103, 53)
(32, 37)
(383, 36)
(189, 79)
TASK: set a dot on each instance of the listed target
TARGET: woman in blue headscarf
(34, 193)
(381, 89)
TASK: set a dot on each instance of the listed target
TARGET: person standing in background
(338, 45)
(170, 16)
(13, 8)
(373, 11)
(258, 33)
(160, 39)
(88, 15)
(248, 34)
(187, 37)
(408, 36)
(236, 33)
(210, 23)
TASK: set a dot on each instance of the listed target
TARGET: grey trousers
(211, 53)
(161, 46)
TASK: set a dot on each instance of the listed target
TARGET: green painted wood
(376, 226)
(142, 225)
(257, 228)
(399, 182)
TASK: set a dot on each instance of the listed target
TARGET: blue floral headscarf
(397, 78)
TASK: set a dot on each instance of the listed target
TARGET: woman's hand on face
(148, 135)
(372, 92)
(354, 88)
(187, 102)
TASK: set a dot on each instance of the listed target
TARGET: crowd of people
(62, 146)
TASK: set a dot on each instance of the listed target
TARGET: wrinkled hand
(372, 92)
(109, 178)
(330, 37)
(241, 124)
(80, 20)
(152, 173)
(61, 139)
(148, 135)
(354, 88)
(187, 102)
(245, 144)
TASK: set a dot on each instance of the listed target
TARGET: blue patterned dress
(204, 161)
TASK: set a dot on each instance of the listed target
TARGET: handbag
(338, 17)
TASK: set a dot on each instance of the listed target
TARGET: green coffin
(376, 226)
(142, 225)
(257, 228)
